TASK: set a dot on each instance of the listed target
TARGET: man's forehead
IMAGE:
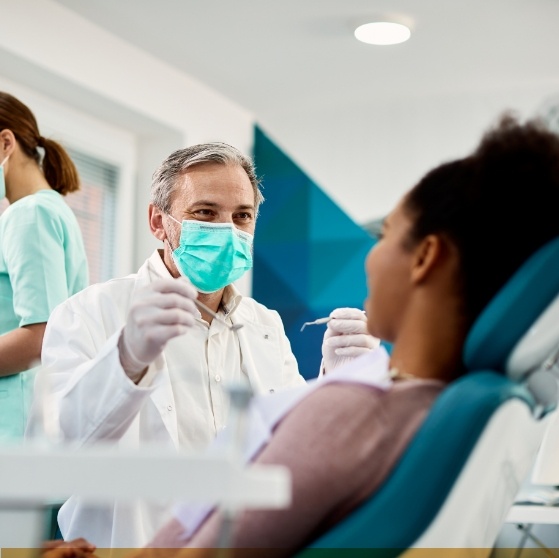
(201, 185)
(214, 172)
(212, 167)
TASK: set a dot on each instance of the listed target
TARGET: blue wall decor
(308, 254)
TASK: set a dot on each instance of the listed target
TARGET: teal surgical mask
(212, 255)
(2, 180)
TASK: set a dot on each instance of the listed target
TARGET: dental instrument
(316, 322)
(202, 306)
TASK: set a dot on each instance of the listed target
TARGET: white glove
(161, 311)
(346, 338)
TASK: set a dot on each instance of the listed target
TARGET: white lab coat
(96, 401)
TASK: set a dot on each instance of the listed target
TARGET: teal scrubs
(42, 263)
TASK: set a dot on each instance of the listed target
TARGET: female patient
(446, 249)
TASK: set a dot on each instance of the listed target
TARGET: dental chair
(455, 483)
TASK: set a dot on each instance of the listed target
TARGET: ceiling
(293, 57)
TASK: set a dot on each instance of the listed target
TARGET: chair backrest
(477, 442)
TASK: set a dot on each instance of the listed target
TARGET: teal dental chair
(456, 481)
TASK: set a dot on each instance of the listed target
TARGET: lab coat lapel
(261, 357)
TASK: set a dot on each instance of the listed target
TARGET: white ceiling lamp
(382, 33)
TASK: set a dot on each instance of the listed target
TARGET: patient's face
(388, 268)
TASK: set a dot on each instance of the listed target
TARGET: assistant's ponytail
(59, 170)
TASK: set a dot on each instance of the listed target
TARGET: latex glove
(162, 310)
(346, 338)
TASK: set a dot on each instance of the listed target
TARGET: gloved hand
(161, 311)
(346, 338)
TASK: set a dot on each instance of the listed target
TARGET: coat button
(272, 391)
(217, 378)
(169, 407)
(266, 336)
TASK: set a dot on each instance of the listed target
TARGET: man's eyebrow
(207, 203)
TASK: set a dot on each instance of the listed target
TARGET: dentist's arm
(93, 397)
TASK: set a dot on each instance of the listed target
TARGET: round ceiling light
(382, 33)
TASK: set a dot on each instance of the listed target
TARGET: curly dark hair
(497, 206)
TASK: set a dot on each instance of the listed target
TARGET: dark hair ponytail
(59, 170)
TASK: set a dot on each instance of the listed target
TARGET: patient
(446, 249)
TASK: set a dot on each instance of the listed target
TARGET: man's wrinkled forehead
(201, 182)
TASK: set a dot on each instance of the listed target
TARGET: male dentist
(133, 361)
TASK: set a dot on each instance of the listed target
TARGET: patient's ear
(428, 254)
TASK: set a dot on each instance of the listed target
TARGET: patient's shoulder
(418, 391)
(350, 397)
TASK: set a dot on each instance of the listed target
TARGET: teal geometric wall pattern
(308, 254)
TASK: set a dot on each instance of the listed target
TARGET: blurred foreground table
(34, 476)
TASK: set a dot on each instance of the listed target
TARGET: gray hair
(164, 179)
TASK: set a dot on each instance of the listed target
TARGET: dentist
(133, 361)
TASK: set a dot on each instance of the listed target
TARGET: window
(94, 206)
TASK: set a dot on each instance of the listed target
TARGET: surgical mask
(212, 255)
(2, 180)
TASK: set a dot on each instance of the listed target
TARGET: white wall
(48, 50)
(399, 140)
(56, 52)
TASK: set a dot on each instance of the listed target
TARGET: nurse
(42, 256)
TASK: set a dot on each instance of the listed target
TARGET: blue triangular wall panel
(308, 254)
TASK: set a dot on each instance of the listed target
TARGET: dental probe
(316, 322)
(202, 306)
(320, 321)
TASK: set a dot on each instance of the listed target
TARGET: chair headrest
(540, 344)
(536, 355)
(517, 331)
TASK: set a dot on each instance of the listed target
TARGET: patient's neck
(430, 341)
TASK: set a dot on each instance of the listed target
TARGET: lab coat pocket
(261, 357)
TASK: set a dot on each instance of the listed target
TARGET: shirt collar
(231, 299)
(156, 265)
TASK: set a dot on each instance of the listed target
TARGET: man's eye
(244, 216)
(203, 212)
